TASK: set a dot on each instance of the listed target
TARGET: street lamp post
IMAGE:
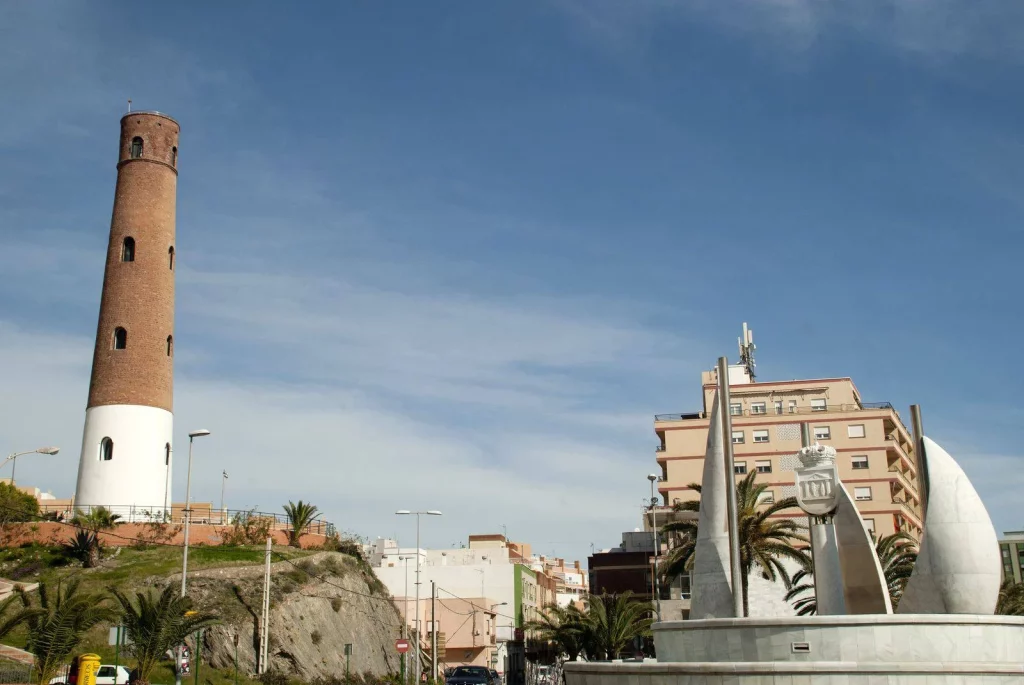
(405, 614)
(188, 517)
(223, 481)
(654, 526)
(406, 512)
(14, 457)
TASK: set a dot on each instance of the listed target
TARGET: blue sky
(456, 255)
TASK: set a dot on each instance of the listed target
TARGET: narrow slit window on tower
(174, 156)
(128, 250)
(106, 449)
(170, 345)
(167, 454)
(136, 147)
(120, 338)
(170, 257)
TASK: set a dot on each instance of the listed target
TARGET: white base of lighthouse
(135, 481)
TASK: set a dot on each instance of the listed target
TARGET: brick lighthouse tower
(126, 445)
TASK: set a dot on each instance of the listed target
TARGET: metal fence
(15, 673)
(201, 513)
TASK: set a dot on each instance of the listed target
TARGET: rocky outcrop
(318, 605)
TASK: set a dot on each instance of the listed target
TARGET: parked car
(104, 676)
(470, 675)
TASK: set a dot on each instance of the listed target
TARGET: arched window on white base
(106, 449)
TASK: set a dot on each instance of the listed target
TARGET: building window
(1006, 552)
(763, 466)
(167, 454)
(106, 449)
(735, 408)
(862, 494)
(128, 250)
(120, 338)
(778, 406)
(860, 461)
(758, 408)
(136, 147)
(855, 430)
(739, 468)
(170, 257)
(819, 405)
(737, 437)
(761, 436)
(869, 525)
(174, 156)
(822, 433)
(792, 406)
(766, 497)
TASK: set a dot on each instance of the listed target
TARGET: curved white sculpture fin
(958, 567)
(711, 588)
(864, 585)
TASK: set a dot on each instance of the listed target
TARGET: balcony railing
(659, 448)
(902, 477)
(772, 411)
(906, 506)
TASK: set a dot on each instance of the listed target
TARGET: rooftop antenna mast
(129, 104)
(747, 348)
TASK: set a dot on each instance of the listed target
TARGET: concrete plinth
(925, 649)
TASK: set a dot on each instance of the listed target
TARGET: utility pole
(261, 666)
(433, 632)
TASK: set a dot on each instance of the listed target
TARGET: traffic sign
(402, 646)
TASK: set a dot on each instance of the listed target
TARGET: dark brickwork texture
(139, 295)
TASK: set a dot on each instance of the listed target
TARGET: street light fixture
(417, 514)
(654, 526)
(14, 457)
(188, 504)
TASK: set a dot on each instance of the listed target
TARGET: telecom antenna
(747, 348)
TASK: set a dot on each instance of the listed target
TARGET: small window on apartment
(819, 405)
(170, 257)
(855, 430)
(763, 466)
(1006, 553)
(862, 494)
(128, 250)
(792, 406)
(766, 497)
(735, 408)
(136, 147)
(120, 338)
(860, 461)
(761, 436)
(758, 408)
(106, 449)
(174, 156)
(778, 406)
(869, 525)
(822, 433)
(740, 469)
(737, 438)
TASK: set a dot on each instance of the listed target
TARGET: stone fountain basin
(890, 649)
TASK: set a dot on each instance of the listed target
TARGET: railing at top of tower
(202, 513)
(771, 410)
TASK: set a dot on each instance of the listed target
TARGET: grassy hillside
(140, 568)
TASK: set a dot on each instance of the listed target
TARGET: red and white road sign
(402, 646)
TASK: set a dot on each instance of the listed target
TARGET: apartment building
(875, 449)
(1011, 546)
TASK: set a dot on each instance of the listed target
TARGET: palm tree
(1011, 599)
(764, 541)
(155, 625)
(98, 518)
(563, 626)
(58, 625)
(10, 618)
(612, 622)
(299, 515)
(897, 554)
(84, 546)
